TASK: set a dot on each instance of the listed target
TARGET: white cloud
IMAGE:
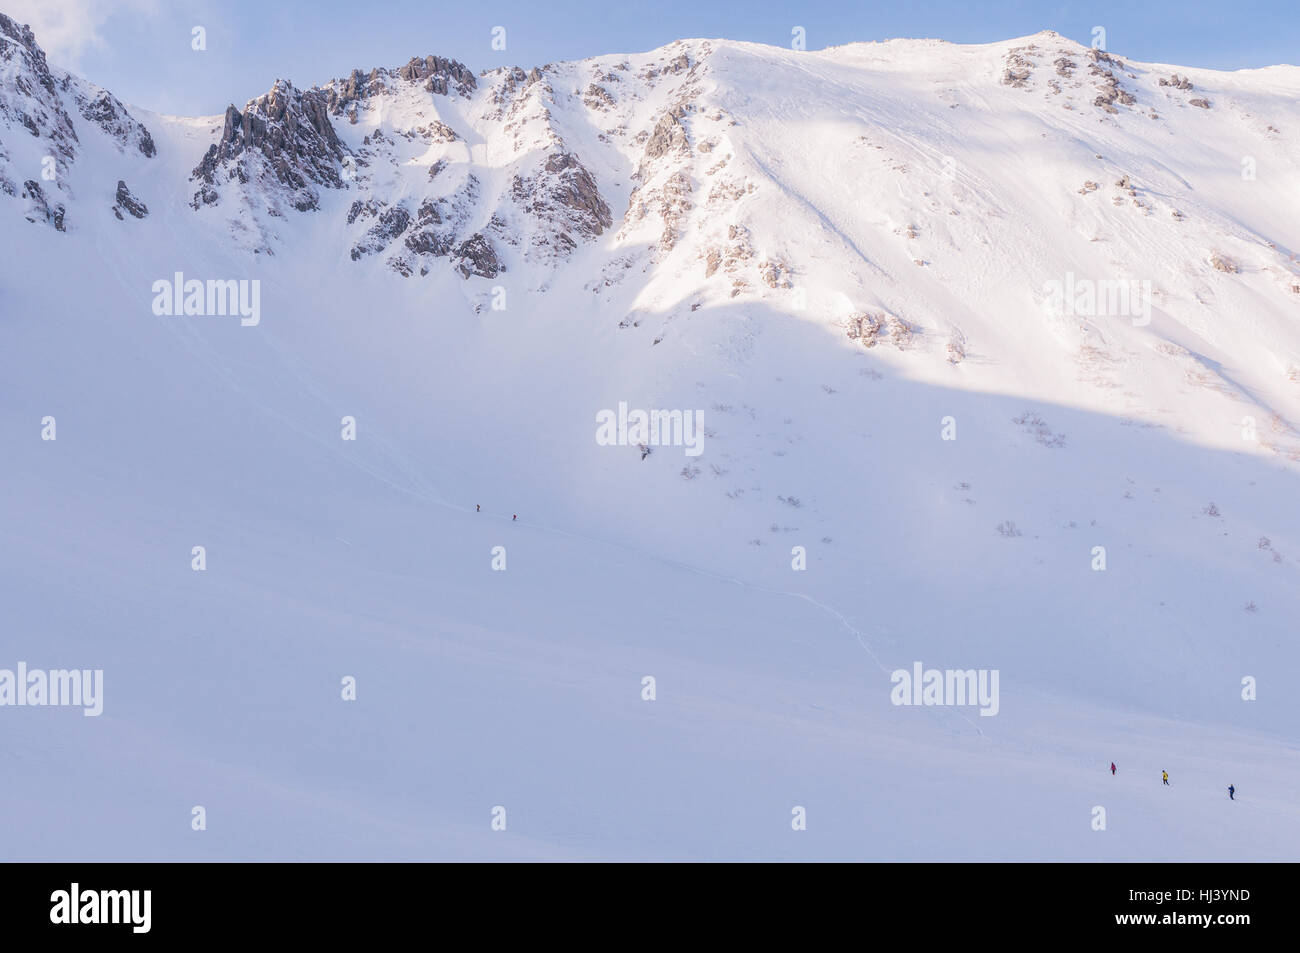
(67, 28)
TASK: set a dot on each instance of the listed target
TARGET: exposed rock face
(574, 188)
(38, 208)
(1110, 91)
(37, 100)
(284, 137)
(668, 136)
(510, 93)
(1018, 67)
(438, 75)
(428, 243)
(477, 257)
(392, 222)
(103, 109)
(597, 97)
(344, 94)
(126, 202)
(31, 101)
(434, 230)
(564, 198)
(36, 105)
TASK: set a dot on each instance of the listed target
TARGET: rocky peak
(438, 75)
(103, 109)
(29, 95)
(17, 42)
(283, 139)
(36, 100)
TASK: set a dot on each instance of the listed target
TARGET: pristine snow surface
(932, 187)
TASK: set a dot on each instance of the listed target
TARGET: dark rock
(109, 114)
(477, 257)
(39, 210)
(285, 135)
(391, 223)
(128, 202)
(574, 188)
(668, 135)
(428, 243)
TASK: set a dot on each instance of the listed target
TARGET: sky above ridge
(143, 49)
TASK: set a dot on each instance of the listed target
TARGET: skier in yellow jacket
(1165, 776)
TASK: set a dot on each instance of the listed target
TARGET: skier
(1165, 776)
(477, 508)
(1112, 769)
(515, 518)
(1232, 793)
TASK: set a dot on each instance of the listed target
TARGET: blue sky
(141, 49)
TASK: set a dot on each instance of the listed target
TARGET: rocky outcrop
(476, 256)
(392, 222)
(667, 136)
(283, 140)
(37, 101)
(1018, 67)
(33, 103)
(128, 203)
(871, 329)
(438, 75)
(597, 97)
(103, 109)
(30, 104)
(413, 240)
(39, 210)
(1109, 90)
(563, 198)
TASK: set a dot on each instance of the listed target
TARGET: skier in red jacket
(1112, 769)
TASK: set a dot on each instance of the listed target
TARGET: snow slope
(767, 215)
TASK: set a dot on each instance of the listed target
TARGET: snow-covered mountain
(1001, 342)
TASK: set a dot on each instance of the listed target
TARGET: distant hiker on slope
(1112, 769)
(515, 518)
(1165, 776)
(1232, 793)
